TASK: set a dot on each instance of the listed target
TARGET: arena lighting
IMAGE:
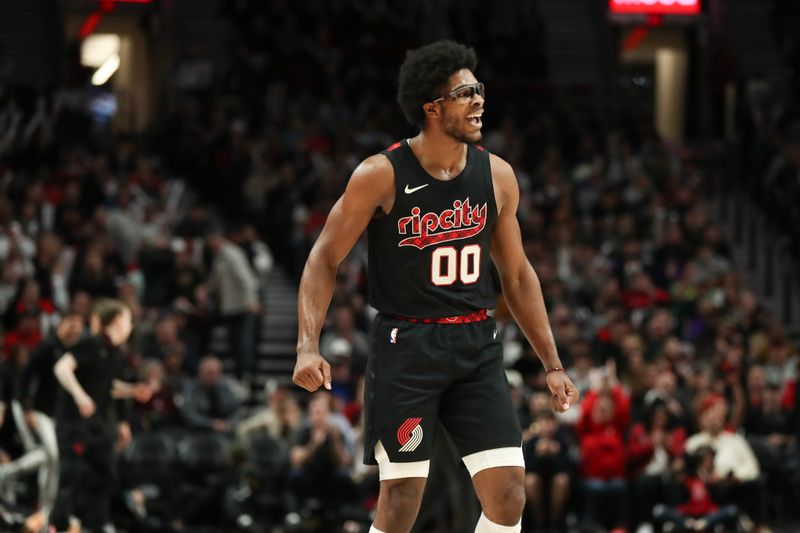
(655, 7)
(106, 70)
(97, 48)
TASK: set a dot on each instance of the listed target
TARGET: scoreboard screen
(654, 7)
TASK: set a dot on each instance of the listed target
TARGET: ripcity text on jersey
(429, 256)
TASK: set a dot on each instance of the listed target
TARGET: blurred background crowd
(650, 253)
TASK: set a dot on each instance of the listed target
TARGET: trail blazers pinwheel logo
(410, 434)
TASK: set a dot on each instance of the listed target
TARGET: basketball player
(437, 209)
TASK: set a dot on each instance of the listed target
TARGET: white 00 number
(447, 265)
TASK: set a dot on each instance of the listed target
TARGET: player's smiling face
(461, 104)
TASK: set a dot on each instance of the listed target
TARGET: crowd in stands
(769, 130)
(771, 155)
(690, 411)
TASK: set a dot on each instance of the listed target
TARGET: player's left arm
(122, 390)
(520, 284)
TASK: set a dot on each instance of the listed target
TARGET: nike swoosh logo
(415, 189)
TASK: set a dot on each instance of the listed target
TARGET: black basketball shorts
(421, 377)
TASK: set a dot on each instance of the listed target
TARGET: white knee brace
(487, 526)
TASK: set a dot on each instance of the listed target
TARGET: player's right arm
(371, 187)
(64, 370)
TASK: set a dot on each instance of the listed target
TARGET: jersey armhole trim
(391, 159)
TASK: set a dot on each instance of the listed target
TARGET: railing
(769, 254)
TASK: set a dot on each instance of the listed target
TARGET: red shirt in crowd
(700, 503)
(787, 400)
(603, 445)
(15, 338)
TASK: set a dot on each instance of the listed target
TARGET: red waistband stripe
(477, 316)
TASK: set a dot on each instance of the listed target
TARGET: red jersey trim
(394, 147)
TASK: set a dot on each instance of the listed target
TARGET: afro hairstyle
(425, 70)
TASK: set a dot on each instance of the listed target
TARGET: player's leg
(400, 494)
(70, 488)
(405, 375)
(478, 414)
(99, 483)
(398, 505)
(501, 491)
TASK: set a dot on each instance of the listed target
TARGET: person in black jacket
(38, 387)
(32, 409)
(88, 421)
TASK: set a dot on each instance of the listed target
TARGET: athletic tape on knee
(389, 470)
(487, 526)
(475, 462)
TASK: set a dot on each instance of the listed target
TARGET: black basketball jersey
(429, 256)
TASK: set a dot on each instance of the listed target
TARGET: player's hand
(312, 371)
(142, 392)
(85, 405)
(124, 436)
(563, 390)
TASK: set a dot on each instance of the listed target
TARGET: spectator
(548, 470)
(605, 415)
(736, 471)
(32, 302)
(343, 386)
(582, 364)
(174, 370)
(27, 334)
(655, 449)
(38, 385)
(665, 391)
(8, 286)
(343, 328)
(697, 510)
(258, 253)
(160, 411)
(186, 276)
(770, 434)
(210, 402)
(780, 366)
(52, 261)
(236, 287)
(320, 460)
(10, 371)
(93, 277)
(37, 390)
(281, 418)
(164, 338)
